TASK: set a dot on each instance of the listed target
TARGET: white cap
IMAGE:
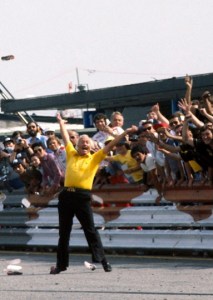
(48, 129)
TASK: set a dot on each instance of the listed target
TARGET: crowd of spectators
(174, 150)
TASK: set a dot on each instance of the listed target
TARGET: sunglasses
(72, 137)
(173, 123)
(49, 133)
(148, 128)
(38, 150)
(31, 127)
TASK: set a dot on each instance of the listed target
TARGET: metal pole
(20, 115)
(77, 77)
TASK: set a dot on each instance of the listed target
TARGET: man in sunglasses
(75, 198)
(74, 136)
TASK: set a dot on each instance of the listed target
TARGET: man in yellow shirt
(75, 199)
(125, 163)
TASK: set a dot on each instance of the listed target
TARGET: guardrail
(132, 221)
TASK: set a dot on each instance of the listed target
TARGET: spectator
(74, 136)
(31, 178)
(203, 147)
(148, 128)
(21, 149)
(49, 132)
(156, 115)
(173, 168)
(147, 164)
(126, 165)
(11, 180)
(54, 144)
(100, 122)
(34, 132)
(52, 176)
(117, 122)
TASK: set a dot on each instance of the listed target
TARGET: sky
(107, 42)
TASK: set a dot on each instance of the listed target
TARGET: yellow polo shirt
(81, 169)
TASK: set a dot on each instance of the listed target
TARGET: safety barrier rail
(132, 221)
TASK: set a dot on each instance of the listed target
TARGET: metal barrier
(130, 223)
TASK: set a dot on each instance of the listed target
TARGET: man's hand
(182, 104)
(131, 129)
(155, 108)
(59, 119)
(188, 81)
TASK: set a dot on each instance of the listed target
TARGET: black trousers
(76, 204)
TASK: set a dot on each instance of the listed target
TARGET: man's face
(174, 122)
(162, 134)
(100, 124)
(138, 156)
(84, 145)
(73, 137)
(35, 161)
(178, 130)
(19, 169)
(9, 144)
(152, 115)
(142, 139)
(39, 152)
(50, 133)
(32, 129)
(148, 128)
(207, 136)
(117, 121)
(121, 149)
(53, 145)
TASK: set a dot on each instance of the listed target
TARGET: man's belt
(76, 190)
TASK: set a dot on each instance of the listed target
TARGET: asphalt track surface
(133, 277)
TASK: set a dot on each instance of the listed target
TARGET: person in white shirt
(100, 122)
(147, 163)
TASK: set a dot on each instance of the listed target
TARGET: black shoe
(106, 266)
(56, 270)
